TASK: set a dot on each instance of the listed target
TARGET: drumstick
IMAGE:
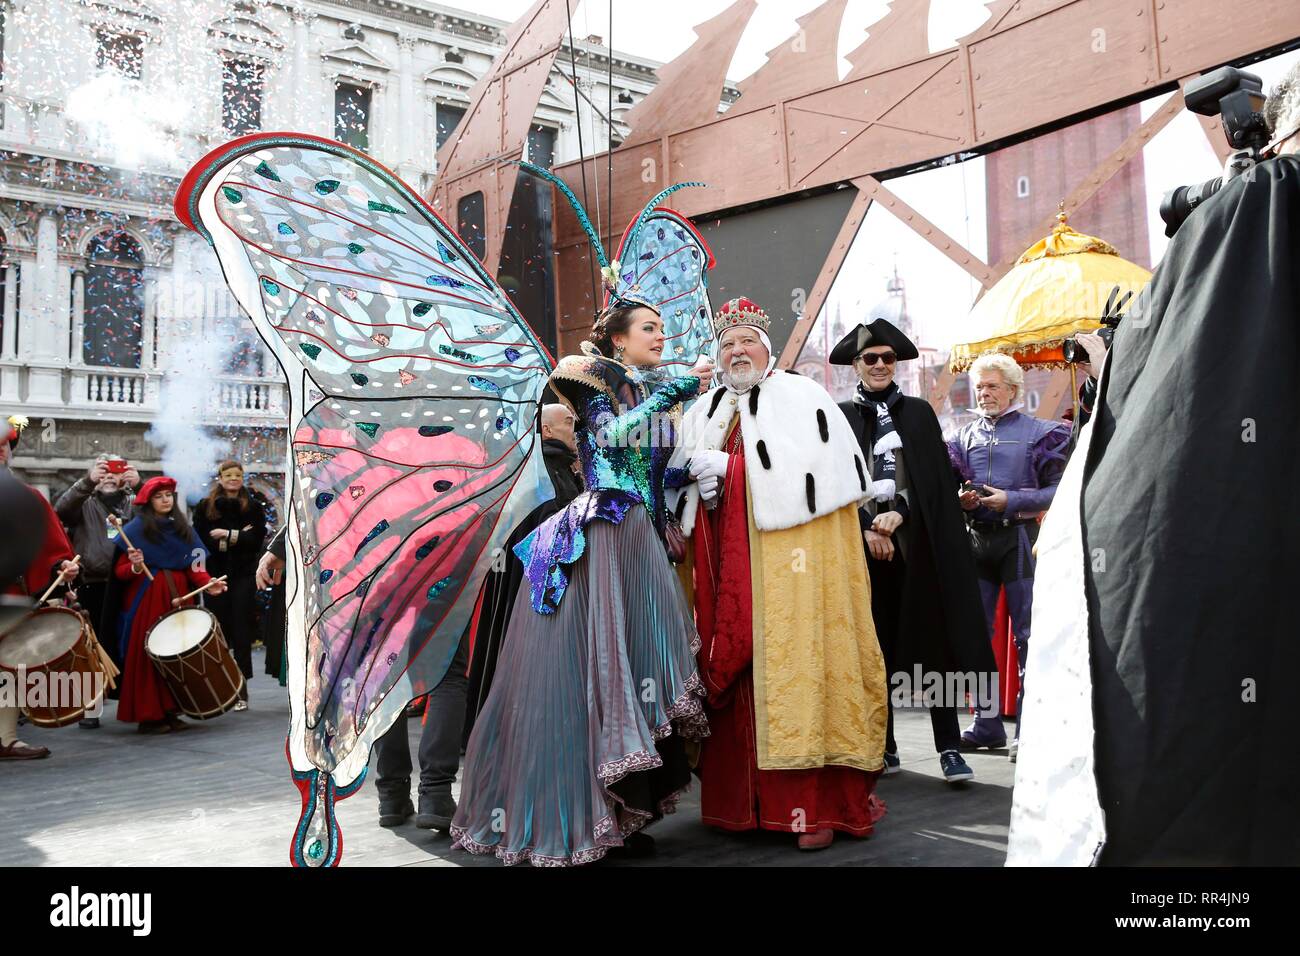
(116, 522)
(185, 597)
(57, 581)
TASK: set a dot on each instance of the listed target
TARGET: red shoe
(817, 841)
(20, 751)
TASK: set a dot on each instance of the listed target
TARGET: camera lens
(1181, 202)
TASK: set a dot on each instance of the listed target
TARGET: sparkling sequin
(433, 431)
(325, 576)
(384, 207)
(359, 378)
(380, 339)
(438, 588)
(310, 348)
(285, 229)
(324, 498)
(370, 428)
(484, 384)
(446, 282)
(372, 534)
(422, 309)
(272, 288)
(512, 354)
(426, 549)
(442, 485)
(266, 172)
(356, 248)
(457, 353)
(233, 195)
(404, 377)
(327, 186)
(447, 254)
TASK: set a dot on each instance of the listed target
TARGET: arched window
(112, 323)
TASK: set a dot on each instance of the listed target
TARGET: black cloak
(1189, 499)
(941, 620)
(501, 586)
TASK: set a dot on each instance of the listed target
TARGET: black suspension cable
(582, 156)
(609, 125)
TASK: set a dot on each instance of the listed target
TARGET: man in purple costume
(1013, 463)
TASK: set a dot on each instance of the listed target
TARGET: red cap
(147, 490)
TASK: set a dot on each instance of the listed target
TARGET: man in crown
(794, 674)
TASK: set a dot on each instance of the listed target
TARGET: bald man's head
(557, 423)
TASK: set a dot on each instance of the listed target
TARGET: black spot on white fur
(753, 400)
(862, 478)
(681, 507)
(717, 400)
(762, 454)
(822, 426)
(811, 487)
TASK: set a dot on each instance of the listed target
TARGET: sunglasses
(870, 358)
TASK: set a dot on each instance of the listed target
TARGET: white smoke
(189, 453)
(121, 121)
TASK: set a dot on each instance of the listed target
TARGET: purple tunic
(1023, 456)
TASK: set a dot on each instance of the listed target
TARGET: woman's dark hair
(209, 504)
(610, 323)
(152, 524)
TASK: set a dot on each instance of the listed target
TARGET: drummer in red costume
(795, 678)
(166, 545)
(53, 555)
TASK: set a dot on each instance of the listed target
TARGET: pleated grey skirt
(579, 743)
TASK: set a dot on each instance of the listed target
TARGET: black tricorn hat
(877, 332)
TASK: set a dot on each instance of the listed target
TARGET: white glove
(709, 463)
(709, 487)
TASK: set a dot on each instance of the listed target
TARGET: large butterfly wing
(670, 265)
(414, 390)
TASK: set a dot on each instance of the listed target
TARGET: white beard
(744, 380)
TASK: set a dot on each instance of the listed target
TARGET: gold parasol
(1059, 287)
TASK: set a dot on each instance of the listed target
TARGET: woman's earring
(618, 353)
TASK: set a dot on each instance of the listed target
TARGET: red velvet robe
(144, 696)
(54, 550)
(734, 793)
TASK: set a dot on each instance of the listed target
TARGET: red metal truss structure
(798, 129)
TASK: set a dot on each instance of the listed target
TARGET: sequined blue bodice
(626, 435)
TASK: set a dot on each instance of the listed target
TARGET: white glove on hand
(709, 488)
(709, 463)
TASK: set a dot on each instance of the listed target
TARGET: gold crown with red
(739, 311)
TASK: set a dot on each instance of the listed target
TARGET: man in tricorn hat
(790, 662)
(924, 592)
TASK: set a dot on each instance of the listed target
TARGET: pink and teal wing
(414, 389)
(668, 261)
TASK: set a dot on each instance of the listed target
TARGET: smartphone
(117, 466)
(969, 486)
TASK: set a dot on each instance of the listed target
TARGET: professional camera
(1114, 311)
(1237, 98)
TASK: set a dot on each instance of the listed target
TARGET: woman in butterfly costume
(414, 385)
(581, 742)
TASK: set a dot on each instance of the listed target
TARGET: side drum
(190, 653)
(59, 644)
